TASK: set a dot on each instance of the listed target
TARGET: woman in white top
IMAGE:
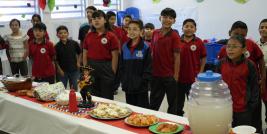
(18, 49)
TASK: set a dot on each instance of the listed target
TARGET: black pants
(50, 80)
(256, 117)
(242, 118)
(19, 68)
(104, 79)
(139, 99)
(182, 91)
(160, 86)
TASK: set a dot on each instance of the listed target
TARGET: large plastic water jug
(210, 105)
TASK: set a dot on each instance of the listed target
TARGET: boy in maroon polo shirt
(101, 53)
(240, 75)
(42, 52)
(193, 60)
(165, 63)
(254, 53)
(36, 18)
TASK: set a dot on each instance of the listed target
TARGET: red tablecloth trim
(27, 98)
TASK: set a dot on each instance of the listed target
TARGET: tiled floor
(121, 97)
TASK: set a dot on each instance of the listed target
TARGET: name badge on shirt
(139, 54)
(247, 54)
(42, 50)
(104, 40)
(193, 47)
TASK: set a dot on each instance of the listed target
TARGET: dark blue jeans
(71, 77)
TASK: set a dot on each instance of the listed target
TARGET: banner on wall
(181, 15)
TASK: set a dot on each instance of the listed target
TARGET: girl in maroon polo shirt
(193, 60)
(42, 53)
(100, 52)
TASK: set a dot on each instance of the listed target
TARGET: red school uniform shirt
(253, 52)
(119, 33)
(125, 37)
(31, 35)
(99, 47)
(164, 47)
(42, 55)
(191, 54)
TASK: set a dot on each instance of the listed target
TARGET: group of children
(143, 59)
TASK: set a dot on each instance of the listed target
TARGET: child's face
(126, 21)
(89, 13)
(189, 29)
(98, 22)
(239, 31)
(112, 20)
(86, 72)
(38, 33)
(148, 32)
(134, 31)
(63, 35)
(234, 49)
(263, 29)
(35, 20)
(14, 26)
(167, 21)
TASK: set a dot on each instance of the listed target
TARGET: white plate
(244, 129)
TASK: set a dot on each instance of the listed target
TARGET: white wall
(215, 17)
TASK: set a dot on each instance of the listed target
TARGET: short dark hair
(91, 7)
(240, 39)
(149, 25)
(239, 24)
(128, 16)
(100, 13)
(40, 26)
(37, 16)
(110, 14)
(62, 27)
(13, 20)
(263, 21)
(137, 22)
(168, 12)
(190, 20)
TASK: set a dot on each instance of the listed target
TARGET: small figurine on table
(86, 85)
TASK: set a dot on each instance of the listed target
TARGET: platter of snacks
(109, 111)
(141, 120)
(166, 128)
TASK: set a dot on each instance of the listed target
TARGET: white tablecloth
(20, 116)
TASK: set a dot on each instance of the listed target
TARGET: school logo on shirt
(104, 40)
(247, 54)
(193, 47)
(42, 50)
(139, 54)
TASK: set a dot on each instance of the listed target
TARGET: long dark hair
(100, 13)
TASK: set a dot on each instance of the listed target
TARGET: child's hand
(60, 71)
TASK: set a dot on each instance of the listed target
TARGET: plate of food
(166, 128)
(109, 111)
(141, 120)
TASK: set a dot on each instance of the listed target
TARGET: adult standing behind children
(192, 61)
(101, 53)
(240, 75)
(68, 56)
(18, 49)
(42, 53)
(165, 63)
(263, 45)
(135, 67)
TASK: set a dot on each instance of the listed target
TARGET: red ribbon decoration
(42, 4)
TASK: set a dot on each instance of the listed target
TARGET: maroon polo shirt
(191, 54)
(164, 47)
(42, 55)
(99, 47)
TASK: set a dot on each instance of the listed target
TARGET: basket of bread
(17, 83)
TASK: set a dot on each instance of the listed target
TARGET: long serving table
(20, 116)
